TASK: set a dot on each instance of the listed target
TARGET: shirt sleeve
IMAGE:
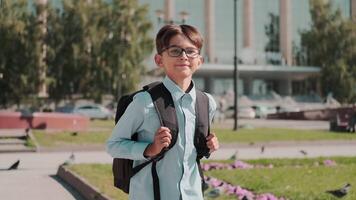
(120, 145)
(212, 107)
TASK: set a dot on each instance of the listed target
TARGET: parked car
(285, 108)
(242, 112)
(262, 111)
(93, 111)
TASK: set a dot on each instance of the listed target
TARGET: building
(266, 64)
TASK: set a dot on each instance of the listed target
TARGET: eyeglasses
(175, 51)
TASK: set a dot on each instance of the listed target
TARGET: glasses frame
(182, 50)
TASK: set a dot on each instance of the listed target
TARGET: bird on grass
(303, 152)
(214, 193)
(74, 134)
(14, 166)
(339, 193)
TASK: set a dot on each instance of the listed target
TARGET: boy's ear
(158, 60)
(201, 59)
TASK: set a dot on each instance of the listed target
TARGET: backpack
(123, 169)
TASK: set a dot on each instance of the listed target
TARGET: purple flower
(329, 163)
(242, 165)
(266, 196)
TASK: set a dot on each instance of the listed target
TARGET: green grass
(102, 131)
(100, 175)
(109, 124)
(274, 134)
(295, 179)
(66, 138)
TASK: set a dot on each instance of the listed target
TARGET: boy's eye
(175, 51)
(191, 51)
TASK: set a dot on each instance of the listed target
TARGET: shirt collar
(176, 91)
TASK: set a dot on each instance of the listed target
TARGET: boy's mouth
(182, 65)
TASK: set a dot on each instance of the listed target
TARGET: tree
(101, 48)
(16, 76)
(330, 44)
(128, 45)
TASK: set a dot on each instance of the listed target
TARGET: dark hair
(167, 32)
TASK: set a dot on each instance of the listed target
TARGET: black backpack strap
(164, 105)
(163, 102)
(202, 124)
(202, 130)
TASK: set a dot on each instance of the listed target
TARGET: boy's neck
(184, 84)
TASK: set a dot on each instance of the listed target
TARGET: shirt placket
(188, 143)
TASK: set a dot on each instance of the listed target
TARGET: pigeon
(340, 192)
(14, 166)
(74, 134)
(262, 149)
(214, 193)
(234, 156)
(205, 186)
(70, 160)
(303, 152)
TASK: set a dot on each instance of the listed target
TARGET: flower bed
(220, 186)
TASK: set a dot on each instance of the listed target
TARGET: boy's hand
(161, 140)
(212, 142)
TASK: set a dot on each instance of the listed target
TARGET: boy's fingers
(163, 128)
(164, 131)
(210, 136)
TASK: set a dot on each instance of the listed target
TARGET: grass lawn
(225, 135)
(274, 134)
(67, 138)
(295, 179)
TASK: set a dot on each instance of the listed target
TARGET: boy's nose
(183, 55)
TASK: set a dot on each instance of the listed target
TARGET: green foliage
(330, 44)
(102, 48)
(16, 74)
(91, 48)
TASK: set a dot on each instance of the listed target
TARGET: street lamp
(236, 75)
(183, 16)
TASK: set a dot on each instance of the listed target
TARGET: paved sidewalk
(34, 180)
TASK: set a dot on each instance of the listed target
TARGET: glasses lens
(175, 51)
(192, 52)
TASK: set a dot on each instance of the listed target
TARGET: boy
(178, 53)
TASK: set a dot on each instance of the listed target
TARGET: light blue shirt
(178, 171)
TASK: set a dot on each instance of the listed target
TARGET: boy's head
(167, 32)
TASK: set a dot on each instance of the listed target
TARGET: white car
(242, 112)
(94, 111)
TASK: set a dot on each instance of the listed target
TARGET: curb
(88, 191)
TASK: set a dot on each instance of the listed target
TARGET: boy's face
(178, 64)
